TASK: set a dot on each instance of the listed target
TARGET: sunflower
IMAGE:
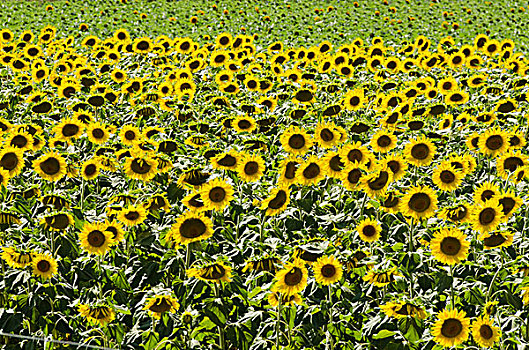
(57, 221)
(456, 97)
(292, 279)
(403, 309)
(244, 124)
(265, 263)
(333, 164)
(451, 328)
(493, 142)
(277, 202)
(295, 140)
(160, 304)
(390, 202)
(216, 194)
(446, 177)
(216, 272)
(487, 216)
(193, 202)
(193, 178)
(459, 213)
(420, 152)
(326, 134)
(44, 266)
(327, 270)
(90, 169)
(116, 228)
(369, 230)
(225, 160)
(354, 152)
(311, 171)
(383, 141)
(510, 203)
(485, 191)
(21, 140)
(381, 278)
(449, 246)
(496, 239)
(142, 45)
(419, 202)
(50, 166)
(191, 227)
(118, 75)
(351, 176)
(15, 258)
(251, 167)
(377, 182)
(132, 215)
(354, 99)
(12, 160)
(140, 166)
(397, 164)
(287, 300)
(288, 170)
(101, 314)
(98, 133)
(157, 202)
(130, 135)
(95, 239)
(508, 162)
(484, 332)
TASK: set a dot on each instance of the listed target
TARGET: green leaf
(384, 334)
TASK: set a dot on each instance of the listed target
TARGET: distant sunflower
(244, 124)
(20, 139)
(214, 272)
(251, 167)
(383, 141)
(381, 278)
(95, 239)
(50, 166)
(419, 202)
(311, 171)
(225, 160)
(354, 99)
(97, 133)
(327, 270)
(446, 177)
(90, 169)
(487, 216)
(484, 332)
(292, 279)
(160, 304)
(99, 315)
(420, 152)
(326, 134)
(44, 265)
(132, 215)
(377, 182)
(277, 202)
(449, 246)
(296, 140)
(403, 309)
(140, 166)
(397, 164)
(216, 194)
(451, 328)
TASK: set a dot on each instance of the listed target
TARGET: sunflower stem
(261, 227)
(452, 300)
(222, 341)
(278, 320)
(410, 237)
(330, 343)
(363, 205)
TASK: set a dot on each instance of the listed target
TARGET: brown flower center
(50, 166)
(290, 170)
(451, 328)
(96, 238)
(130, 135)
(311, 171)
(296, 141)
(328, 271)
(192, 228)
(161, 305)
(354, 176)
(90, 169)
(394, 166)
(494, 240)
(355, 155)
(70, 130)
(420, 151)
(447, 176)
(327, 135)
(419, 202)
(98, 133)
(508, 204)
(487, 216)
(140, 166)
(379, 182)
(336, 163)
(512, 163)
(19, 141)
(494, 142)
(294, 277)
(58, 221)
(450, 246)
(217, 194)
(43, 266)
(278, 201)
(485, 331)
(251, 168)
(227, 161)
(9, 161)
(384, 141)
(369, 231)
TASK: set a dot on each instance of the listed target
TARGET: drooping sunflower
(295, 140)
(333, 164)
(493, 240)
(57, 221)
(383, 141)
(493, 142)
(132, 215)
(487, 216)
(446, 177)
(327, 270)
(216, 194)
(292, 279)
(510, 202)
(377, 182)
(44, 265)
(15, 258)
(95, 239)
(101, 314)
(116, 228)
(449, 246)
(191, 227)
(160, 304)
(277, 202)
(403, 309)
(369, 230)
(484, 332)
(451, 328)
(251, 167)
(459, 213)
(419, 202)
(262, 263)
(311, 171)
(420, 152)
(216, 272)
(381, 278)
(287, 300)
(50, 166)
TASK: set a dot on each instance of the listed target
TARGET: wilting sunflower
(251, 167)
(132, 215)
(369, 230)
(381, 278)
(101, 314)
(287, 300)
(403, 309)
(140, 166)
(449, 246)
(191, 227)
(160, 304)
(277, 202)
(420, 152)
(50, 166)
(451, 328)
(446, 177)
(216, 272)
(292, 279)
(311, 171)
(377, 182)
(44, 266)
(493, 240)
(484, 332)
(383, 141)
(487, 216)
(459, 213)
(267, 263)
(216, 194)
(95, 239)
(327, 270)
(419, 202)
(15, 258)
(326, 134)
(295, 140)
(157, 202)
(57, 221)
(493, 142)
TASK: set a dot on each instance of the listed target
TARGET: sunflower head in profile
(292, 279)
(97, 314)
(381, 277)
(369, 230)
(459, 213)
(251, 167)
(160, 304)
(487, 216)
(510, 202)
(157, 202)
(116, 229)
(288, 170)
(225, 161)
(287, 300)
(44, 265)
(451, 328)
(493, 240)
(484, 332)
(277, 202)
(420, 152)
(15, 258)
(216, 272)
(419, 202)
(377, 182)
(402, 309)
(50, 166)
(132, 215)
(493, 142)
(296, 141)
(449, 246)
(216, 194)
(266, 263)
(327, 270)
(191, 227)
(95, 239)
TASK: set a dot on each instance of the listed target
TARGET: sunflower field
(264, 175)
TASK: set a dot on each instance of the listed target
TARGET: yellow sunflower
(403, 309)
(98, 133)
(251, 167)
(354, 99)
(15, 258)
(484, 332)
(420, 152)
(216, 194)
(496, 239)
(351, 176)
(381, 278)
(327, 270)
(487, 216)
(295, 140)
(90, 169)
(397, 164)
(132, 215)
(287, 300)
(50, 166)
(214, 272)
(292, 279)
(451, 328)
(326, 134)
(446, 177)
(288, 170)
(419, 202)
(354, 152)
(44, 266)
(369, 230)
(333, 164)
(383, 141)
(493, 142)
(95, 239)
(130, 135)
(277, 202)
(244, 124)
(191, 227)
(377, 182)
(160, 304)
(449, 246)
(68, 129)
(100, 315)
(140, 166)
(311, 171)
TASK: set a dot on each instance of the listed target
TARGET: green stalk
(278, 320)
(222, 341)
(330, 340)
(452, 300)
(410, 237)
